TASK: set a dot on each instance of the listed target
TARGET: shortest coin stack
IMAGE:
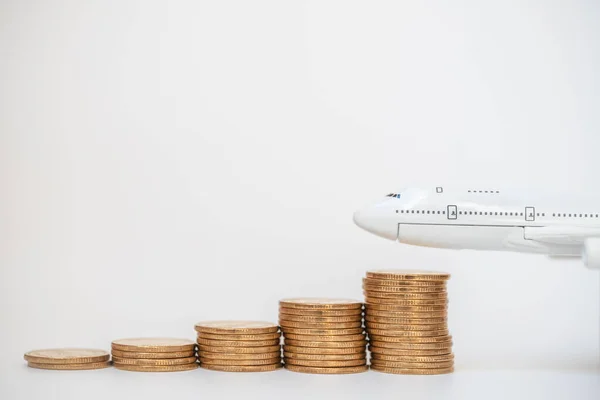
(67, 359)
(239, 346)
(323, 336)
(154, 354)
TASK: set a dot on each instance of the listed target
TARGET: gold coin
(224, 327)
(242, 368)
(408, 371)
(405, 327)
(321, 313)
(320, 325)
(320, 303)
(407, 296)
(238, 350)
(399, 333)
(395, 283)
(312, 319)
(406, 314)
(89, 365)
(323, 350)
(66, 356)
(414, 365)
(235, 336)
(327, 364)
(323, 370)
(322, 338)
(205, 355)
(154, 345)
(239, 343)
(321, 331)
(154, 362)
(385, 337)
(156, 356)
(404, 302)
(405, 308)
(405, 321)
(379, 351)
(410, 346)
(157, 368)
(309, 343)
(408, 275)
(216, 361)
(413, 358)
(324, 357)
(404, 289)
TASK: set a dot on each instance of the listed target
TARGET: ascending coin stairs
(402, 323)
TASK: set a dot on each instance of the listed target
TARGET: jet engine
(591, 253)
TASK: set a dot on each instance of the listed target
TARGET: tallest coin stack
(406, 322)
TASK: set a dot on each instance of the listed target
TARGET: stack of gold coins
(323, 336)
(239, 346)
(406, 321)
(154, 354)
(67, 359)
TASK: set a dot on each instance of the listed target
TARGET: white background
(166, 162)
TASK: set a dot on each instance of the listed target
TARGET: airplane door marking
(452, 213)
(529, 213)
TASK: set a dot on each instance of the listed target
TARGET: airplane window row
(420, 212)
(396, 195)
(576, 215)
(484, 191)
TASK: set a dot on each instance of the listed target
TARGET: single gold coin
(309, 343)
(323, 338)
(312, 319)
(320, 303)
(406, 295)
(320, 325)
(405, 321)
(323, 350)
(236, 327)
(404, 289)
(405, 302)
(405, 308)
(156, 368)
(321, 313)
(405, 327)
(380, 351)
(321, 331)
(406, 314)
(408, 339)
(237, 350)
(408, 275)
(410, 346)
(399, 333)
(411, 365)
(154, 345)
(242, 368)
(413, 358)
(71, 367)
(205, 355)
(324, 357)
(325, 363)
(396, 283)
(154, 361)
(239, 343)
(157, 356)
(413, 371)
(216, 361)
(239, 336)
(67, 356)
(324, 370)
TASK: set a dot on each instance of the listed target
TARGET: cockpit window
(396, 195)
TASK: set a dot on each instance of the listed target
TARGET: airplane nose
(377, 221)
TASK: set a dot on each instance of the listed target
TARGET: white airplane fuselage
(489, 219)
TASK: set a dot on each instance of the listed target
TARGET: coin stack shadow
(406, 322)
(323, 336)
(67, 359)
(239, 346)
(154, 354)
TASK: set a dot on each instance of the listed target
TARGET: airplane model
(471, 218)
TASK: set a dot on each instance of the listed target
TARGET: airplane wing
(560, 235)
